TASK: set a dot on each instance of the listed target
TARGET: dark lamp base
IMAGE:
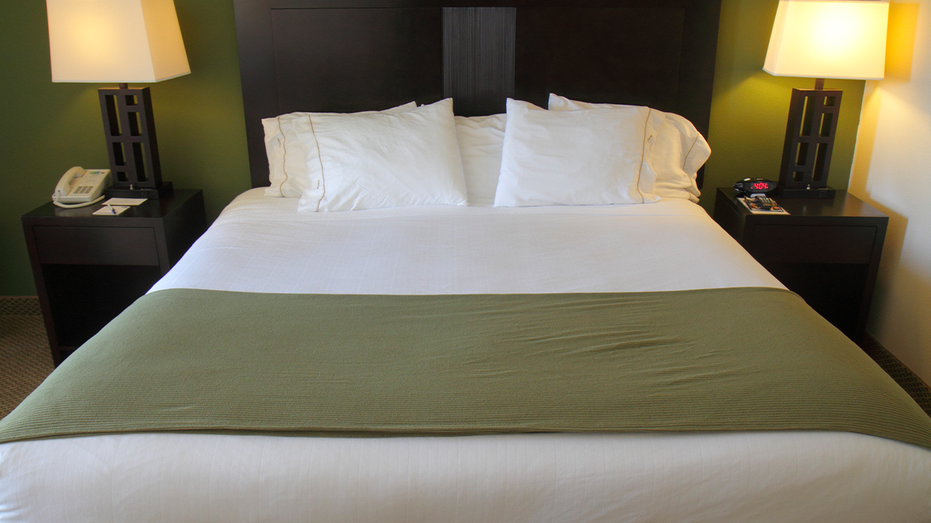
(152, 193)
(822, 192)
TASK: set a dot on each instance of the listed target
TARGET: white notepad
(110, 210)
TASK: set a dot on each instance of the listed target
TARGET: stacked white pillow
(673, 157)
(379, 160)
(287, 157)
(580, 157)
(371, 160)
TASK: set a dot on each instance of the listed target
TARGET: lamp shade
(829, 39)
(115, 41)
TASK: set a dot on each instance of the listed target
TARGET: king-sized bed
(493, 334)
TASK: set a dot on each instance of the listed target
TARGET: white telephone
(79, 187)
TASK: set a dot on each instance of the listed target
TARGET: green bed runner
(229, 362)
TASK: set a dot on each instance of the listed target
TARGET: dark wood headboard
(354, 55)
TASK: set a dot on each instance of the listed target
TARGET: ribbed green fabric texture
(191, 360)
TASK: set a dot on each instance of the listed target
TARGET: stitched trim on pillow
(643, 148)
(284, 157)
(319, 159)
(685, 161)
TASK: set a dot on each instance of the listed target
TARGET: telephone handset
(79, 187)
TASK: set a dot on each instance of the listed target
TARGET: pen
(112, 210)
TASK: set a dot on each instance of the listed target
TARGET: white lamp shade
(115, 41)
(829, 39)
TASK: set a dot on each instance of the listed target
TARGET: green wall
(47, 128)
(750, 107)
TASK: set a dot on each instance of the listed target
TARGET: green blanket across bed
(228, 362)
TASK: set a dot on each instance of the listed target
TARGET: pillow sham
(481, 139)
(287, 163)
(673, 155)
(378, 160)
(585, 157)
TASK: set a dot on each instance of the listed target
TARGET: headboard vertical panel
(352, 55)
(478, 58)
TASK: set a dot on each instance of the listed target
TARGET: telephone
(79, 187)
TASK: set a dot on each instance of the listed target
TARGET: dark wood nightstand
(89, 268)
(826, 250)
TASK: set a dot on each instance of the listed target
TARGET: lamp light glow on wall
(821, 39)
(121, 41)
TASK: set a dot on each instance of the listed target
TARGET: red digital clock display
(755, 185)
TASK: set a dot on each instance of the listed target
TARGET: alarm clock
(754, 186)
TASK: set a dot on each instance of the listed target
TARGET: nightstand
(89, 268)
(826, 250)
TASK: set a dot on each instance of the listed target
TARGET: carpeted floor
(25, 359)
(913, 385)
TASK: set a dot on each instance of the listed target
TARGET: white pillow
(372, 161)
(481, 139)
(673, 157)
(587, 157)
(287, 162)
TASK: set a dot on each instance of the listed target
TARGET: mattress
(260, 244)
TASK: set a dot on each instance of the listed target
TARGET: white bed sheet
(259, 244)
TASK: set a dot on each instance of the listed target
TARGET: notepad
(110, 210)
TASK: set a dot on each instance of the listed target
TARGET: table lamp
(121, 41)
(821, 39)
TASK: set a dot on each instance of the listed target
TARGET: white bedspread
(259, 244)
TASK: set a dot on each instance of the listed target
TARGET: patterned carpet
(25, 359)
(913, 385)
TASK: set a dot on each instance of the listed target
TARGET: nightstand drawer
(96, 245)
(89, 268)
(813, 243)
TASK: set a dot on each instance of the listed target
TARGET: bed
(454, 359)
